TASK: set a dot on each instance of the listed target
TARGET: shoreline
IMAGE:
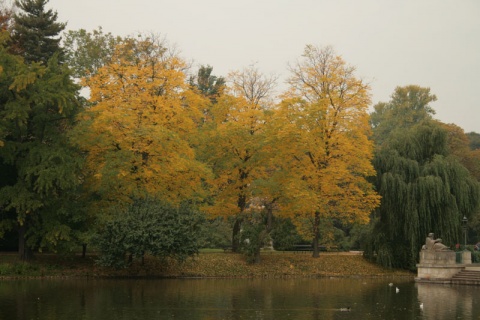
(276, 265)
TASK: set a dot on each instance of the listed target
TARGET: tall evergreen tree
(37, 107)
(38, 102)
(36, 31)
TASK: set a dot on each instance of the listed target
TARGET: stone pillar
(466, 257)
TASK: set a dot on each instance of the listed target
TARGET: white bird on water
(397, 290)
(421, 306)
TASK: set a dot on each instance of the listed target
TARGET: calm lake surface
(236, 299)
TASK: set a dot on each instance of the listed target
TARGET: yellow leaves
(322, 126)
(139, 127)
(278, 265)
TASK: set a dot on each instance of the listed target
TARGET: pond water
(325, 298)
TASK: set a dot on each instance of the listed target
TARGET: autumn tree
(234, 144)
(36, 31)
(459, 146)
(137, 132)
(323, 127)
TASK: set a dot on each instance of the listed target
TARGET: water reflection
(234, 299)
(448, 302)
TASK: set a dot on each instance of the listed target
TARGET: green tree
(474, 139)
(408, 106)
(38, 105)
(424, 187)
(36, 32)
(209, 85)
(87, 52)
(150, 227)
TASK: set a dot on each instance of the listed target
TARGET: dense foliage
(150, 227)
(424, 187)
(39, 102)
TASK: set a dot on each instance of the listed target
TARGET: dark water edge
(319, 298)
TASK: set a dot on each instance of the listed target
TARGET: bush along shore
(203, 265)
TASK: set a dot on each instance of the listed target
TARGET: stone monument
(438, 262)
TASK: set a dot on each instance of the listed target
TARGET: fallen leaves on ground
(219, 265)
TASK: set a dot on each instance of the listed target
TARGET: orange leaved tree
(234, 144)
(322, 124)
(137, 132)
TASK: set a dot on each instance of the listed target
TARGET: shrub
(150, 227)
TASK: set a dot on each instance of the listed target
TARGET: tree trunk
(84, 250)
(236, 235)
(269, 209)
(316, 227)
(257, 257)
(24, 252)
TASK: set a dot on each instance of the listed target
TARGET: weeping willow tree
(423, 190)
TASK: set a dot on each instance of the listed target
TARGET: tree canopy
(139, 128)
(408, 106)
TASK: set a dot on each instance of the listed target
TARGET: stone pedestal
(445, 257)
(438, 265)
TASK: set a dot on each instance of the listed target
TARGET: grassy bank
(224, 265)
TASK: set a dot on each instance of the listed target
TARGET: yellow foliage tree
(234, 144)
(323, 132)
(138, 130)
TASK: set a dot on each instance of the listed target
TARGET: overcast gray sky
(431, 43)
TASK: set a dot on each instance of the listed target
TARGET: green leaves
(36, 31)
(27, 75)
(39, 103)
(150, 227)
(409, 106)
(424, 189)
